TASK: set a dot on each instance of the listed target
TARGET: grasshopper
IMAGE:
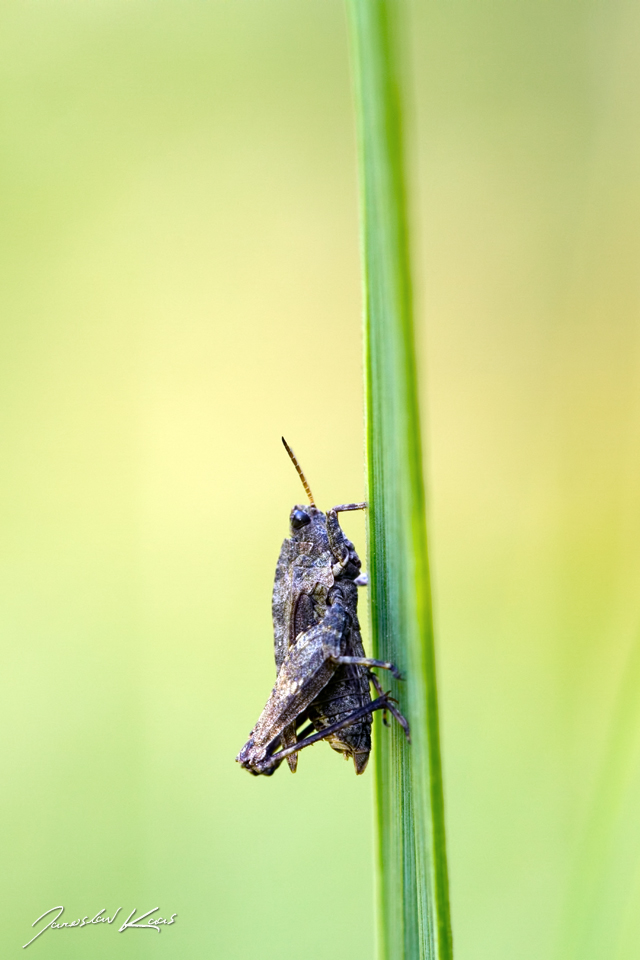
(322, 686)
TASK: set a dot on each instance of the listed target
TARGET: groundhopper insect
(323, 676)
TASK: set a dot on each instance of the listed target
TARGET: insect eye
(299, 519)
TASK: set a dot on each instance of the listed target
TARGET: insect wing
(305, 670)
(299, 575)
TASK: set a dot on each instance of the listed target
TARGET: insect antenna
(300, 473)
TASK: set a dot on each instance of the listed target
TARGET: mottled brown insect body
(305, 586)
(323, 674)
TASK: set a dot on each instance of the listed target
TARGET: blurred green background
(180, 286)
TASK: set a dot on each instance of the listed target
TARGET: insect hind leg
(383, 702)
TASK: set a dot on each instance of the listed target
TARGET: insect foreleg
(341, 548)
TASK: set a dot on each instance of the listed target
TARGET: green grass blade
(413, 884)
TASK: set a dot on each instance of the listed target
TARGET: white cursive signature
(152, 924)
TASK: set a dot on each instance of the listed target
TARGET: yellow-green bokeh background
(180, 285)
